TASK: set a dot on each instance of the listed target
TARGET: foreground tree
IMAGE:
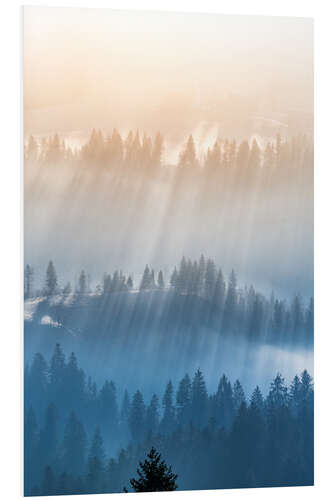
(154, 475)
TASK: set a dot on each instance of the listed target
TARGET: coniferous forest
(145, 336)
(168, 252)
(222, 439)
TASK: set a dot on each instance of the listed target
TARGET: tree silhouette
(51, 281)
(154, 475)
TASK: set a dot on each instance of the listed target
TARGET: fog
(86, 68)
(168, 236)
(139, 341)
(93, 221)
(212, 76)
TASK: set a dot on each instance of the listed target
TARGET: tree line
(217, 440)
(239, 309)
(140, 151)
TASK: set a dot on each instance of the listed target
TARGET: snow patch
(47, 320)
(30, 306)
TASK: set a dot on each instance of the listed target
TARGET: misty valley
(195, 360)
(168, 307)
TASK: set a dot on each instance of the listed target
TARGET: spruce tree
(51, 281)
(146, 279)
(183, 399)
(136, 419)
(168, 420)
(154, 475)
(28, 281)
(74, 446)
(152, 417)
(82, 283)
(160, 280)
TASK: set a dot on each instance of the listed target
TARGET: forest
(198, 285)
(142, 153)
(223, 439)
(180, 358)
(119, 202)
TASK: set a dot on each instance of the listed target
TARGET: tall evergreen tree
(154, 475)
(238, 395)
(146, 279)
(137, 417)
(188, 158)
(51, 281)
(168, 419)
(96, 464)
(152, 416)
(183, 400)
(83, 283)
(230, 307)
(199, 399)
(74, 446)
(160, 280)
(28, 281)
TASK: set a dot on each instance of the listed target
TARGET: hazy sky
(89, 68)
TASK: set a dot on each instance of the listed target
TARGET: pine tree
(137, 417)
(107, 401)
(152, 417)
(182, 277)
(36, 383)
(160, 280)
(297, 314)
(48, 441)
(152, 284)
(146, 279)
(224, 403)
(199, 399)
(154, 475)
(49, 482)
(82, 283)
(174, 278)
(183, 400)
(307, 386)
(30, 449)
(97, 447)
(168, 420)
(268, 157)
(125, 408)
(157, 151)
(129, 283)
(231, 301)
(116, 149)
(57, 372)
(243, 155)
(187, 158)
(210, 279)
(278, 394)
(32, 149)
(254, 156)
(257, 399)
(219, 291)
(74, 446)
(309, 318)
(201, 275)
(96, 464)
(51, 281)
(28, 281)
(295, 395)
(73, 383)
(239, 396)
